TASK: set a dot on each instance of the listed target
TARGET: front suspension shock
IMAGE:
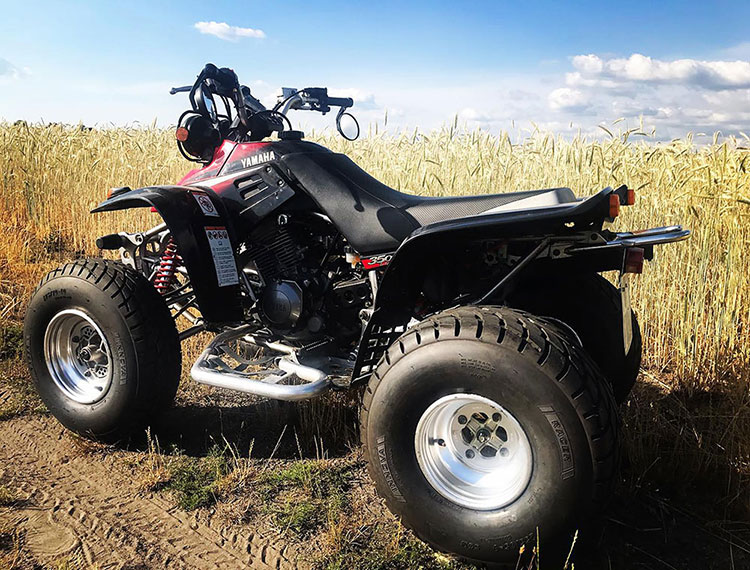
(165, 276)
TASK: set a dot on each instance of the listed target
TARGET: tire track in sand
(84, 503)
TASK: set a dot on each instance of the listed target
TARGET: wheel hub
(484, 461)
(78, 356)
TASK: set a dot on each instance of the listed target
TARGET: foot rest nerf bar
(210, 369)
(653, 236)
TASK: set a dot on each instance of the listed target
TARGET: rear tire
(592, 307)
(539, 380)
(102, 348)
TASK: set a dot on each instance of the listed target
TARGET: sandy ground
(83, 507)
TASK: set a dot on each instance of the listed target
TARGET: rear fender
(433, 248)
(189, 221)
(422, 248)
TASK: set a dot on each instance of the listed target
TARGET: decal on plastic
(221, 251)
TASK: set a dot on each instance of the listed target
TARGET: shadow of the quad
(322, 428)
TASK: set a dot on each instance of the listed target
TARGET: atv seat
(375, 218)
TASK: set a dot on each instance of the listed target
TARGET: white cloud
(364, 100)
(577, 79)
(224, 31)
(641, 68)
(567, 99)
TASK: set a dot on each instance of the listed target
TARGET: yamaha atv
(492, 351)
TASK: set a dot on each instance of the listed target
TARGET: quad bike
(493, 352)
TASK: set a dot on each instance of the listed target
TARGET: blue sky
(682, 66)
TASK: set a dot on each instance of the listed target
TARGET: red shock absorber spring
(165, 276)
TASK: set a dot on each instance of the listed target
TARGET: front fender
(214, 278)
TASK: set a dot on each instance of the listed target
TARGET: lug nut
(504, 452)
(462, 420)
(470, 453)
(495, 417)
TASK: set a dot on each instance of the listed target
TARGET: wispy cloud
(10, 71)
(224, 31)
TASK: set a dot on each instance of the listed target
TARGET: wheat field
(693, 300)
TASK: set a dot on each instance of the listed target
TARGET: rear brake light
(181, 134)
(633, 260)
(114, 192)
(630, 198)
(614, 205)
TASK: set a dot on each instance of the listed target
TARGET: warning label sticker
(207, 206)
(221, 251)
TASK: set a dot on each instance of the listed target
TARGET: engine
(304, 286)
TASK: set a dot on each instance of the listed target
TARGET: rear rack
(653, 236)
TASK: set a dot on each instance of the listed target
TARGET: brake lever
(183, 89)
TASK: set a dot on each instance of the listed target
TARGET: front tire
(102, 348)
(470, 378)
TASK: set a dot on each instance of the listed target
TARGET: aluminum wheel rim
(78, 356)
(473, 452)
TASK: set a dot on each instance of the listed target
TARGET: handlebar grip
(340, 101)
(210, 71)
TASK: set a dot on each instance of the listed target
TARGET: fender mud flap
(205, 239)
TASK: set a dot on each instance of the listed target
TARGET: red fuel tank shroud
(212, 169)
(229, 157)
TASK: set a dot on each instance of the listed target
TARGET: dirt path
(83, 505)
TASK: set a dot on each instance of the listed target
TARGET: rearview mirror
(347, 126)
(205, 103)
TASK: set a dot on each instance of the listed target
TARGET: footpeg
(288, 377)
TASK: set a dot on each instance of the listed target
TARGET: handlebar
(340, 101)
(250, 111)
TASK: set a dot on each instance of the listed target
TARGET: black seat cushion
(375, 218)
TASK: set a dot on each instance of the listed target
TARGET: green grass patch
(11, 340)
(17, 394)
(304, 496)
(194, 480)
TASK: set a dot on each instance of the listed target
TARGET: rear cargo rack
(653, 236)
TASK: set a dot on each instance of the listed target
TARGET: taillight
(630, 197)
(114, 192)
(614, 205)
(181, 134)
(633, 260)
